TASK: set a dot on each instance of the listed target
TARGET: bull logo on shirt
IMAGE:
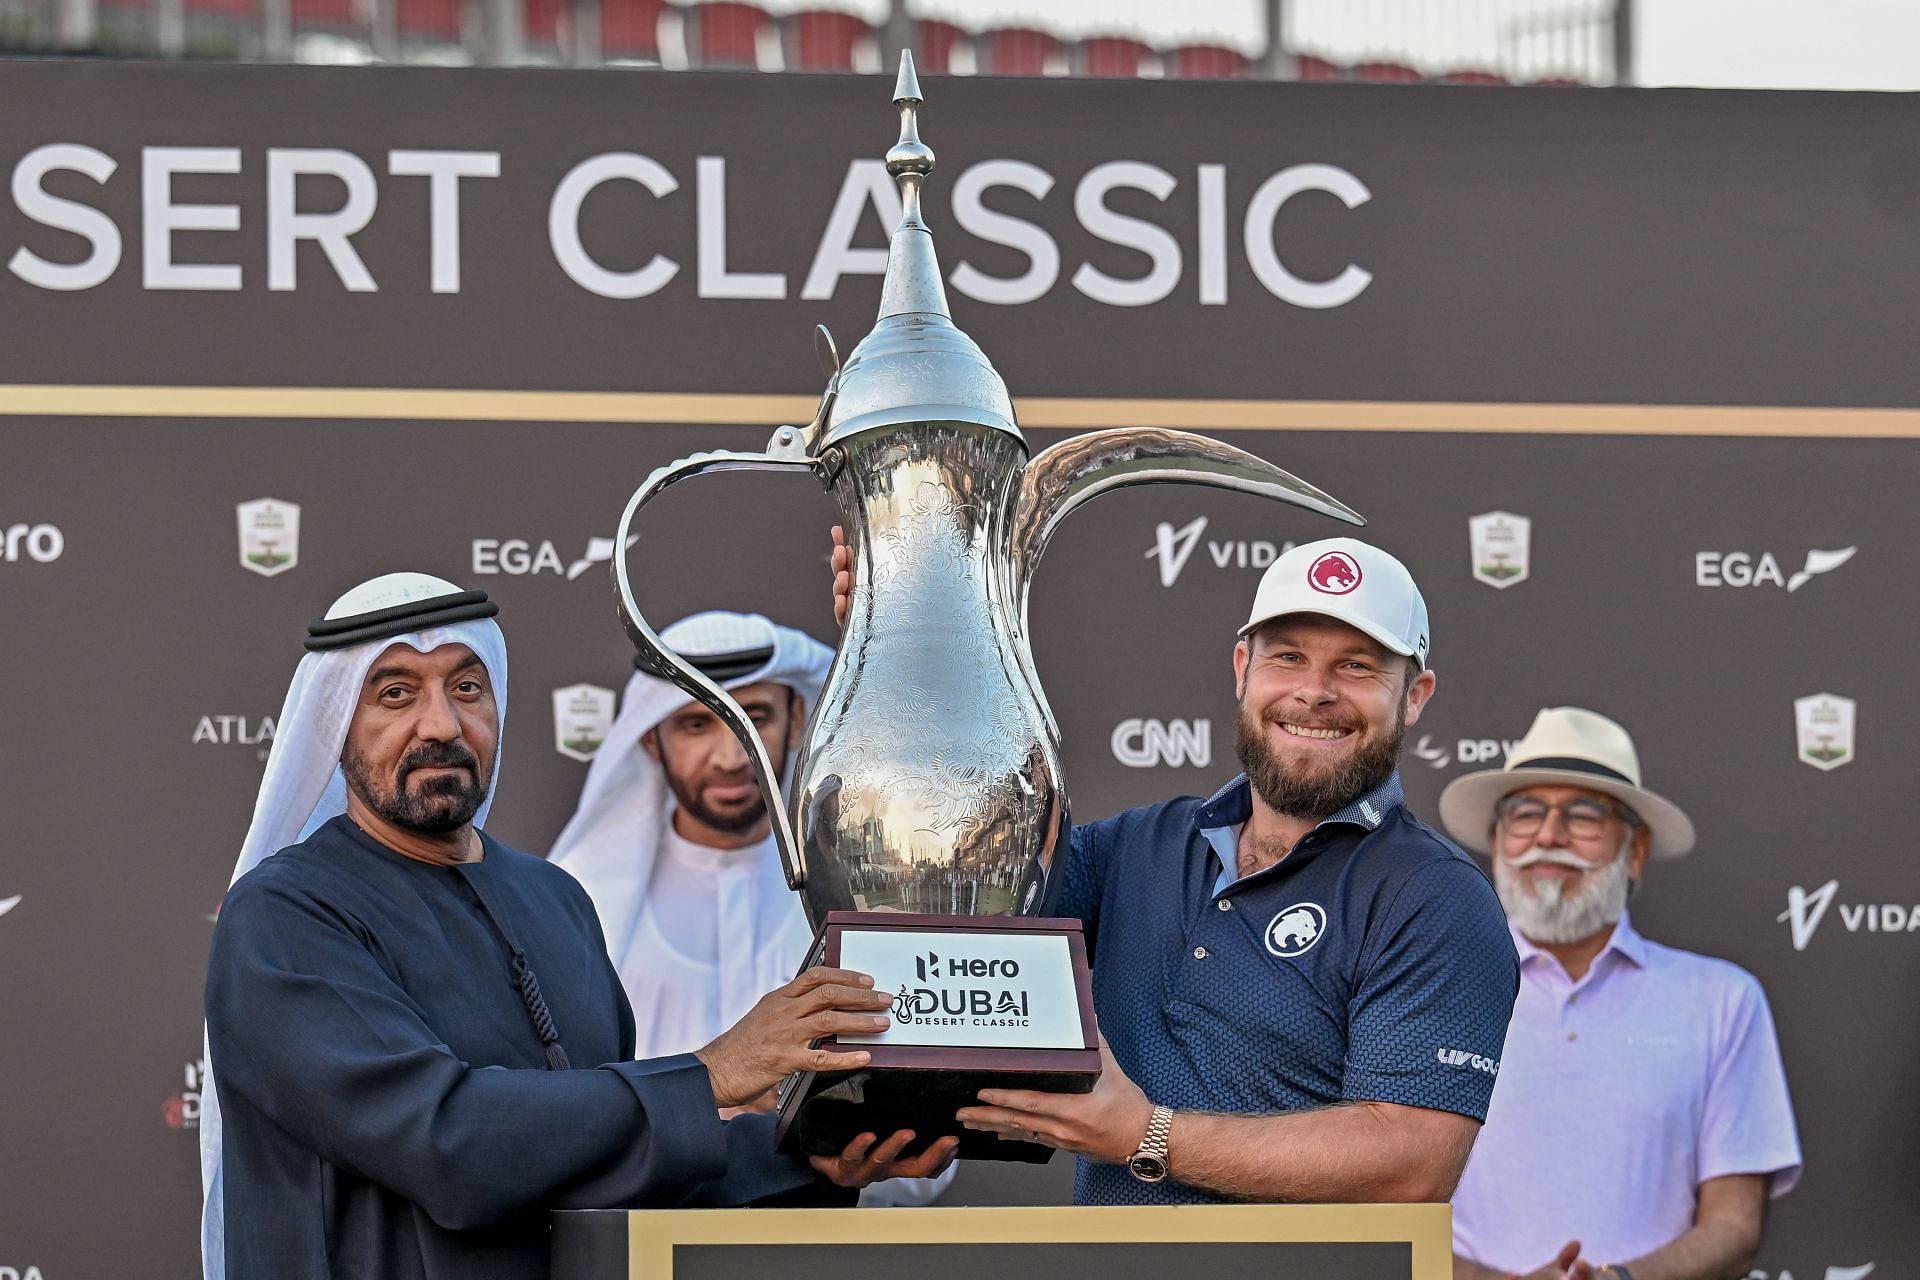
(1295, 929)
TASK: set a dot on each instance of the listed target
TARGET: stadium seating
(1114, 56)
(1021, 51)
(428, 21)
(630, 29)
(726, 33)
(1314, 68)
(1207, 62)
(1387, 72)
(826, 40)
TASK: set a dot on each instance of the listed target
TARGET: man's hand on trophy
(864, 1162)
(842, 576)
(1108, 1124)
(776, 1037)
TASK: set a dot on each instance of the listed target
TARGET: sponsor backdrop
(1625, 377)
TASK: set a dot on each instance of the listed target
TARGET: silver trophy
(927, 797)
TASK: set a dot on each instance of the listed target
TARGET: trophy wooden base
(919, 1086)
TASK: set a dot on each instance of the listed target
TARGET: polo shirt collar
(1232, 805)
(1626, 942)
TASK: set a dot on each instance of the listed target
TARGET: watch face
(1147, 1168)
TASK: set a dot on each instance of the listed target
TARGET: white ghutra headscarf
(304, 788)
(611, 843)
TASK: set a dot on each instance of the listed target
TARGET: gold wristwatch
(1149, 1163)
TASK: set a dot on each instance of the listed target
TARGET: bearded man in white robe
(673, 841)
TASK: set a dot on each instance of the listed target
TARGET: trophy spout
(1082, 467)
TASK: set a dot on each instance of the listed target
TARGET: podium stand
(1217, 1242)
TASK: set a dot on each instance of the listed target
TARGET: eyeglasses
(1582, 819)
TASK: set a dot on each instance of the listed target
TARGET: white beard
(1542, 914)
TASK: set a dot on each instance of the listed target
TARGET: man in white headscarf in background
(673, 841)
(407, 1019)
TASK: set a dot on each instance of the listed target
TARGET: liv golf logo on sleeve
(1501, 543)
(269, 536)
(1823, 723)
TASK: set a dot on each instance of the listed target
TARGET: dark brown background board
(1583, 248)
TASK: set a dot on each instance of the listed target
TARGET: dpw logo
(20, 1273)
(40, 543)
(1295, 929)
(1142, 744)
(1739, 569)
(518, 557)
(182, 1110)
(1461, 1058)
(1173, 546)
(1439, 755)
(1805, 911)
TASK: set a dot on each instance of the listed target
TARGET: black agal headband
(327, 634)
(722, 667)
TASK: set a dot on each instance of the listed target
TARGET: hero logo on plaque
(1013, 991)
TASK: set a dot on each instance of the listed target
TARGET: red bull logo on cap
(1335, 573)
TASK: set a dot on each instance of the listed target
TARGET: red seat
(1472, 77)
(725, 33)
(546, 22)
(822, 40)
(935, 44)
(1113, 56)
(1312, 68)
(1392, 72)
(427, 19)
(1207, 62)
(631, 28)
(1020, 51)
(332, 14)
(223, 8)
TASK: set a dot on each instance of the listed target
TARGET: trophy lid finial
(915, 365)
(913, 271)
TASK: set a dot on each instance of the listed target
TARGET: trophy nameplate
(979, 1003)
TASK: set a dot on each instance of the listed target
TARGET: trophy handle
(1083, 467)
(788, 453)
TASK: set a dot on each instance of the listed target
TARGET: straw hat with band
(1566, 747)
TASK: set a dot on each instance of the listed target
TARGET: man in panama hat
(1641, 1112)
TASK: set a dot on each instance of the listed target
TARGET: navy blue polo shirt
(1372, 963)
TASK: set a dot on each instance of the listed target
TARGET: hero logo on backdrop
(1806, 909)
(1823, 727)
(269, 535)
(1740, 569)
(866, 186)
(521, 556)
(38, 543)
(1501, 544)
(1293, 931)
(1439, 755)
(582, 718)
(1143, 744)
(182, 1110)
(1335, 573)
(1173, 546)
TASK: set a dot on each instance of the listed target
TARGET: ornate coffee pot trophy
(927, 802)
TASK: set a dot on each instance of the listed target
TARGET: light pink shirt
(1618, 1095)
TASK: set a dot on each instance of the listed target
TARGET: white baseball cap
(1345, 579)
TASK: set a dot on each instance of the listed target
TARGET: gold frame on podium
(652, 1234)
